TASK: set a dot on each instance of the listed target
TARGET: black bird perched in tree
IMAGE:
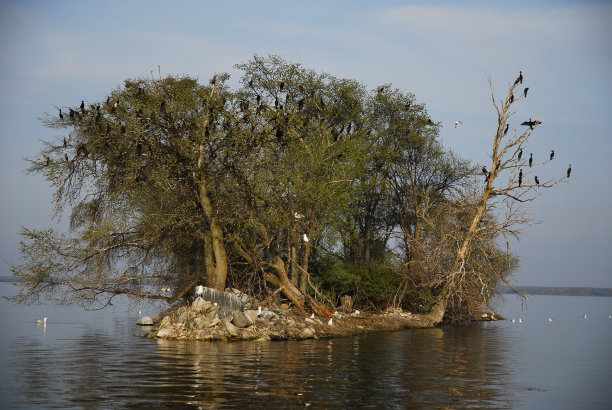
(251, 82)
(276, 103)
(569, 170)
(65, 143)
(61, 115)
(488, 177)
(525, 91)
(519, 79)
(506, 130)
(552, 154)
(258, 99)
(511, 98)
(530, 160)
(71, 114)
(484, 170)
(531, 123)
(537, 181)
(214, 79)
(281, 85)
(520, 154)
(83, 106)
(497, 165)
(520, 177)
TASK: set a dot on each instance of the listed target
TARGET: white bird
(357, 312)
(520, 320)
(41, 321)
(199, 290)
(513, 320)
(306, 238)
(457, 123)
(258, 310)
(331, 321)
(298, 216)
(585, 316)
(610, 317)
(550, 319)
(312, 316)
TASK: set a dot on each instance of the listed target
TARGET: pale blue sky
(59, 52)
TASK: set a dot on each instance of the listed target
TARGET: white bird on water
(42, 321)
(550, 319)
(520, 320)
(585, 316)
(513, 320)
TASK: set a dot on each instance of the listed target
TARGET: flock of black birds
(531, 124)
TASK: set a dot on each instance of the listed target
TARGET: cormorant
(65, 143)
(258, 99)
(214, 79)
(488, 177)
(83, 106)
(537, 181)
(61, 115)
(251, 82)
(520, 154)
(484, 170)
(276, 103)
(569, 170)
(71, 114)
(525, 91)
(511, 98)
(281, 85)
(530, 160)
(506, 130)
(531, 123)
(429, 121)
(66, 157)
(519, 79)
(552, 154)
(520, 177)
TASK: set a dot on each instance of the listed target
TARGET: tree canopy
(298, 182)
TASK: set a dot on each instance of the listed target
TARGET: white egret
(42, 321)
(306, 238)
(331, 321)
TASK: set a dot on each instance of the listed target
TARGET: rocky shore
(252, 320)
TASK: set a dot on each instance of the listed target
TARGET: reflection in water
(444, 367)
(100, 360)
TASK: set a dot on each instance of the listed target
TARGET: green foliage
(148, 171)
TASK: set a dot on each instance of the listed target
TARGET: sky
(57, 53)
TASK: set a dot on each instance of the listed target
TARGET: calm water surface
(98, 360)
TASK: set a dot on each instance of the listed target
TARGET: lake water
(99, 360)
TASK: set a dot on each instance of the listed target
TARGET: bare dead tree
(494, 208)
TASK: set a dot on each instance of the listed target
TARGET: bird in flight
(457, 123)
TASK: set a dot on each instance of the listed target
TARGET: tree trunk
(215, 253)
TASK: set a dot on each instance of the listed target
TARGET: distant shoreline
(530, 290)
(561, 291)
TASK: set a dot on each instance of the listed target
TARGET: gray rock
(200, 305)
(241, 320)
(167, 333)
(231, 329)
(251, 315)
(166, 323)
(308, 332)
(266, 314)
(145, 321)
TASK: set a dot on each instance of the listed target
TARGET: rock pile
(206, 320)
